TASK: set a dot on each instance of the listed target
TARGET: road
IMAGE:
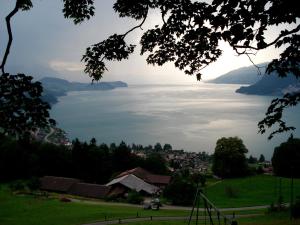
(170, 206)
(160, 218)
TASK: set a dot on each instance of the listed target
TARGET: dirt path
(48, 135)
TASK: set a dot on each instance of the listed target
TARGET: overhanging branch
(10, 36)
(283, 34)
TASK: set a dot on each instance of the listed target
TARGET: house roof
(158, 179)
(134, 183)
(147, 176)
(89, 190)
(60, 184)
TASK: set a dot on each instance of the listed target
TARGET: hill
(244, 75)
(272, 85)
(56, 87)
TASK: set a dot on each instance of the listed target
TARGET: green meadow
(20, 209)
(251, 191)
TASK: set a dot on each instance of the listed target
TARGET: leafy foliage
(78, 10)
(87, 161)
(24, 4)
(275, 112)
(114, 48)
(21, 109)
(191, 32)
(189, 36)
(229, 158)
(286, 158)
(181, 190)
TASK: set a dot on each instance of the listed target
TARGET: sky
(47, 44)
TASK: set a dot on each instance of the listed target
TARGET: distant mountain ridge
(272, 85)
(243, 75)
(56, 87)
(267, 84)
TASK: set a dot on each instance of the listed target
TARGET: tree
(167, 147)
(21, 107)
(252, 159)
(286, 158)
(229, 158)
(181, 190)
(157, 147)
(156, 164)
(189, 36)
(261, 158)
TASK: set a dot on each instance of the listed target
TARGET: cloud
(66, 66)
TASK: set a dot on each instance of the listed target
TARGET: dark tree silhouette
(189, 36)
(21, 107)
(286, 158)
(229, 158)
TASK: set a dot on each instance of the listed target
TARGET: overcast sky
(47, 44)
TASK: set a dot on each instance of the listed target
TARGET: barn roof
(59, 184)
(89, 190)
(134, 183)
(147, 176)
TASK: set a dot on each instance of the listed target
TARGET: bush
(33, 184)
(181, 191)
(17, 186)
(134, 198)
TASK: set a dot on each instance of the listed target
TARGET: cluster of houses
(137, 179)
(194, 162)
(188, 160)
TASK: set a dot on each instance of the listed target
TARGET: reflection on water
(190, 117)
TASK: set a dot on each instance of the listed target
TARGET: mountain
(56, 87)
(272, 85)
(244, 75)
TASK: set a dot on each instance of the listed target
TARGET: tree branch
(10, 36)
(283, 34)
(138, 26)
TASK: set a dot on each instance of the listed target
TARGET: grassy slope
(268, 219)
(251, 191)
(27, 210)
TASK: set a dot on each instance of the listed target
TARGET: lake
(189, 117)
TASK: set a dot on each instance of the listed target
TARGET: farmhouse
(73, 186)
(160, 181)
(121, 185)
(57, 184)
(137, 179)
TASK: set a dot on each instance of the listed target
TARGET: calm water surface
(190, 117)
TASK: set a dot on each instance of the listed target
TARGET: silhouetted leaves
(24, 4)
(78, 10)
(275, 111)
(21, 109)
(114, 48)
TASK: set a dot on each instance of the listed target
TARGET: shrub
(134, 197)
(17, 186)
(33, 184)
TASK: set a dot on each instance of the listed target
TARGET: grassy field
(29, 210)
(250, 191)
